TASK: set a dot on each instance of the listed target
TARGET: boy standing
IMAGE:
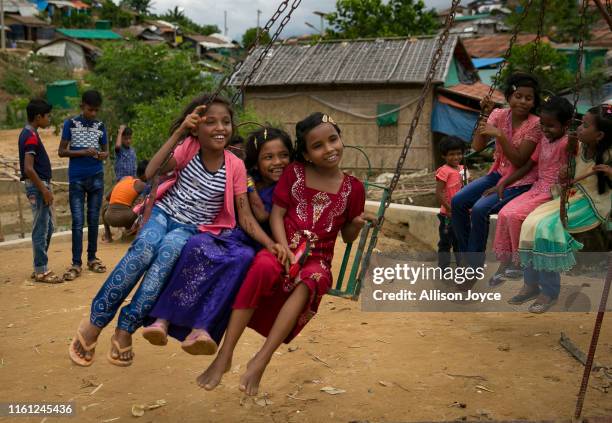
(449, 181)
(84, 141)
(125, 156)
(35, 169)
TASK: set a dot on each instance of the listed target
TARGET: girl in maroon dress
(313, 200)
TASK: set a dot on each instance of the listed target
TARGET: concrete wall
(422, 222)
(291, 104)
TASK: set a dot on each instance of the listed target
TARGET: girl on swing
(546, 248)
(516, 130)
(197, 302)
(313, 201)
(206, 191)
(550, 157)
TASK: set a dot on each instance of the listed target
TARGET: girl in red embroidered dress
(313, 200)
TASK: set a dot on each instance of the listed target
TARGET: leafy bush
(135, 73)
(550, 68)
(16, 112)
(13, 82)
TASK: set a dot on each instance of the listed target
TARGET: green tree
(551, 66)
(136, 73)
(119, 17)
(251, 34)
(376, 18)
(141, 6)
(561, 19)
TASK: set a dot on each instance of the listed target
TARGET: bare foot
(249, 381)
(107, 239)
(124, 339)
(90, 334)
(211, 377)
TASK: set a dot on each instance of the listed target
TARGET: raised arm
(119, 138)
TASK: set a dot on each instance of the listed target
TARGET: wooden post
(21, 221)
(1, 232)
(604, 13)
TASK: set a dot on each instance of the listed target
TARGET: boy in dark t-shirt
(84, 141)
(36, 173)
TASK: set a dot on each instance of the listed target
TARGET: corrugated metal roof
(361, 61)
(90, 34)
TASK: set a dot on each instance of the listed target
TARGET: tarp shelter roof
(90, 34)
(22, 7)
(80, 5)
(90, 47)
(486, 62)
(472, 17)
(475, 91)
(61, 3)
(380, 61)
(32, 21)
(496, 45)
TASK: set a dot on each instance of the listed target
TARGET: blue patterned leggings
(154, 251)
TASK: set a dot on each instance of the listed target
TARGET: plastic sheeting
(449, 120)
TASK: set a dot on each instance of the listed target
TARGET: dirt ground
(9, 148)
(389, 366)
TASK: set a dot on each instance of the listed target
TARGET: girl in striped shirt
(206, 191)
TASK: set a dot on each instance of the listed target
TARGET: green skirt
(551, 247)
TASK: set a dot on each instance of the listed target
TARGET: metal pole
(258, 15)
(3, 31)
(225, 23)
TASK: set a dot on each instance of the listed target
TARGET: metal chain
(433, 66)
(264, 52)
(571, 164)
(537, 41)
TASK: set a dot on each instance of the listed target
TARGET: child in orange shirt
(118, 211)
(449, 181)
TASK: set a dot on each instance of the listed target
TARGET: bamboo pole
(20, 206)
(604, 13)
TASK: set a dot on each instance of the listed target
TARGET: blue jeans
(42, 226)
(154, 251)
(548, 282)
(92, 190)
(472, 228)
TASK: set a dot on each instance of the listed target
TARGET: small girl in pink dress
(313, 200)
(549, 157)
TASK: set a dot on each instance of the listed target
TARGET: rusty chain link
(537, 41)
(571, 163)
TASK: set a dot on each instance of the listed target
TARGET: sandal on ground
(156, 334)
(117, 361)
(72, 352)
(523, 298)
(72, 273)
(47, 277)
(539, 308)
(202, 344)
(497, 279)
(96, 266)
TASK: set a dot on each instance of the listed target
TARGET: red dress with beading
(312, 214)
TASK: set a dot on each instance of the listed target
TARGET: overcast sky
(242, 14)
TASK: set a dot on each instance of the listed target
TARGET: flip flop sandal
(118, 361)
(96, 266)
(48, 277)
(539, 308)
(72, 273)
(200, 345)
(523, 298)
(155, 334)
(497, 279)
(76, 359)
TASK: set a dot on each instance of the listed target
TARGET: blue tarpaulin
(486, 61)
(450, 120)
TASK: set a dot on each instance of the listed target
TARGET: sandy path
(393, 366)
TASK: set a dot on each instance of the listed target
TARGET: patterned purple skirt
(204, 283)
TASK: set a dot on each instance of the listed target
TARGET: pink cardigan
(235, 174)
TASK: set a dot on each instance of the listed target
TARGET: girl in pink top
(549, 157)
(206, 191)
(517, 132)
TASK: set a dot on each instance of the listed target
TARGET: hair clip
(255, 142)
(327, 119)
(513, 87)
(265, 134)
